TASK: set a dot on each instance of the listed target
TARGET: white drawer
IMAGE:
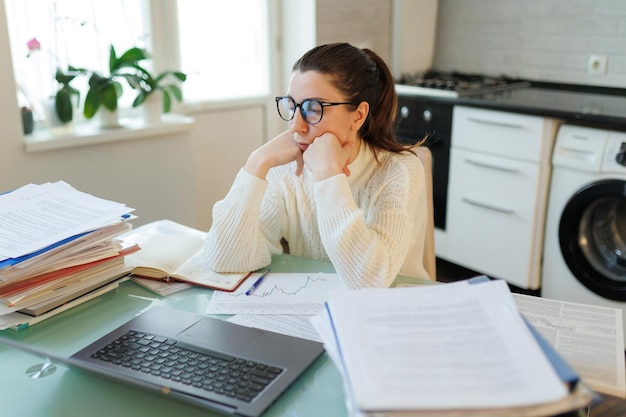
(499, 133)
(491, 215)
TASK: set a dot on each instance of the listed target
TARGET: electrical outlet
(597, 64)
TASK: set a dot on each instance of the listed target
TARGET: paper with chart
(279, 293)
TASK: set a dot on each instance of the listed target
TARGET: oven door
(417, 118)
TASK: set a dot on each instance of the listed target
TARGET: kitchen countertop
(591, 106)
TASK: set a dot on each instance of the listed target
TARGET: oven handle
(496, 123)
(491, 166)
(487, 206)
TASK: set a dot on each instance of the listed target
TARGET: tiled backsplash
(547, 40)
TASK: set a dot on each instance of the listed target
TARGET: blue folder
(14, 261)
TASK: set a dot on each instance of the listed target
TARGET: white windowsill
(91, 133)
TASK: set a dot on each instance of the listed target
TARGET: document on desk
(453, 346)
(590, 338)
(279, 293)
(35, 216)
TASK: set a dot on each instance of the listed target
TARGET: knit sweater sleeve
(369, 249)
(238, 240)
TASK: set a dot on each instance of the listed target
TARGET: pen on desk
(257, 282)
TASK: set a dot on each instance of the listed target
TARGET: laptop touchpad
(220, 335)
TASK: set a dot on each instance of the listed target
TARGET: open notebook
(204, 361)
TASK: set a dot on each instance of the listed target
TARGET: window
(221, 45)
(224, 48)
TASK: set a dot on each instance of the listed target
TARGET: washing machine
(585, 235)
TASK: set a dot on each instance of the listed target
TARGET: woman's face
(341, 120)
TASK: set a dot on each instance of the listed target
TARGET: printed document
(590, 338)
(454, 346)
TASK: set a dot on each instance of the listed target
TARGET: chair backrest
(425, 156)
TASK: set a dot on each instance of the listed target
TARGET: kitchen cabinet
(499, 177)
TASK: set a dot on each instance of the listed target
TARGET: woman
(336, 185)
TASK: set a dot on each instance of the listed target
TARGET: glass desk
(69, 392)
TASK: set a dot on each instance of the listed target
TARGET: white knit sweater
(370, 225)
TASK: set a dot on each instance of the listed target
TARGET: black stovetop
(589, 105)
(463, 83)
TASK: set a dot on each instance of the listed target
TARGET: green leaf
(98, 81)
(176, 92)
(143, 73)
(109, 97)
(167, 102)
(129, 59)
(63, 106)
(112, 59)
(180, 75)
(141, 97)
(72, 68)
(63, 78)
(92, 104)
(135, 81)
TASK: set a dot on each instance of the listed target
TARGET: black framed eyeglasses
(312, 110)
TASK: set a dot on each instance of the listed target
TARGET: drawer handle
(496, 123)
(491, 166)
(488, 206)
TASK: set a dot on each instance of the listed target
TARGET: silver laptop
(200, 360)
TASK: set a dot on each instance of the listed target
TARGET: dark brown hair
(360, 75)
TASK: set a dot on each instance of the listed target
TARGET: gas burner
(454, 84)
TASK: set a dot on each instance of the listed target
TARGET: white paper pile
(57, 244)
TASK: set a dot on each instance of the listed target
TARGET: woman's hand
(326, 156)
(279, 151)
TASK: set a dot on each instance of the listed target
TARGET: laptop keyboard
(168, 359)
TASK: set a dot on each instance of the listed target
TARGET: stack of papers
(454, 349)
(57, 245)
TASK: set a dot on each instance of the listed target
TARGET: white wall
(221, 142)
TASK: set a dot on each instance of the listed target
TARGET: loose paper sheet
(590, 338)
(291, 325)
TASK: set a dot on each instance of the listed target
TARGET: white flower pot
(108, 119)
(153, 108)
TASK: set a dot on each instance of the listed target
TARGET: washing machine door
(592, 235)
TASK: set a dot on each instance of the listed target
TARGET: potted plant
(104, 90)
(28, 122)
(63, 105)
(148, 85)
